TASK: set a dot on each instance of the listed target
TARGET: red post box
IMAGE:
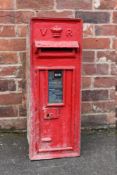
(55, 88)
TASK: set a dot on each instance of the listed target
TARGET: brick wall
(99, 57)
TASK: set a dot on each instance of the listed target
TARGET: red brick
(89, 69)
(8, 71)
(22, 30)
(94, 120)
(96, 43)
(106, 82)
(98, 107)
(106, 4)
(6, 4)
(23, 16)
(13, 123)
(88, 56)
(7, 17)
(86, 107)
(115, 17)
(55, 14)
(115, 44)
(74, 4)
(101, 107)
(8, 58)
(86, 82)
(113, 69)
(22, 110)
(102, 69)
(107, 30)
(12, 44)
(10, 98)
(106, 56)
(14, 17)
(112, 94)
(22, 85)
(19, 72)
(35, 4)
(23, 62)
(111, 118)
(87, 30)
(13, 71)
(8, 111)
(93, 17)
(7, 85)
(94, 95)
(22, 57)
(7, 31)
(95, 69)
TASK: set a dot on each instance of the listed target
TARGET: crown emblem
(56, 31)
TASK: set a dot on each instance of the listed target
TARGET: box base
(42, 156)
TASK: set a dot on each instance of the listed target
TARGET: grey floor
(98, 156)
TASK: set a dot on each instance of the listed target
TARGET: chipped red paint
(54, 128)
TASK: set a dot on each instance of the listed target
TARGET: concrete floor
(98, 157)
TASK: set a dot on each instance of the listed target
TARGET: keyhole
(48, 115)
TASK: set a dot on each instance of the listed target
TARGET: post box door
(56, 110)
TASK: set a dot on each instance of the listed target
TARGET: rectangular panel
(52, 118)
(54, 52)
(55, 86)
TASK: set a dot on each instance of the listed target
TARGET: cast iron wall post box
(55, 84)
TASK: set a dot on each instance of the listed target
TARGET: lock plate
(51, 113)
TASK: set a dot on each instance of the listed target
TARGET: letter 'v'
(43, 31)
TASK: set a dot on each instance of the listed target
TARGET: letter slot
(56, 49)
